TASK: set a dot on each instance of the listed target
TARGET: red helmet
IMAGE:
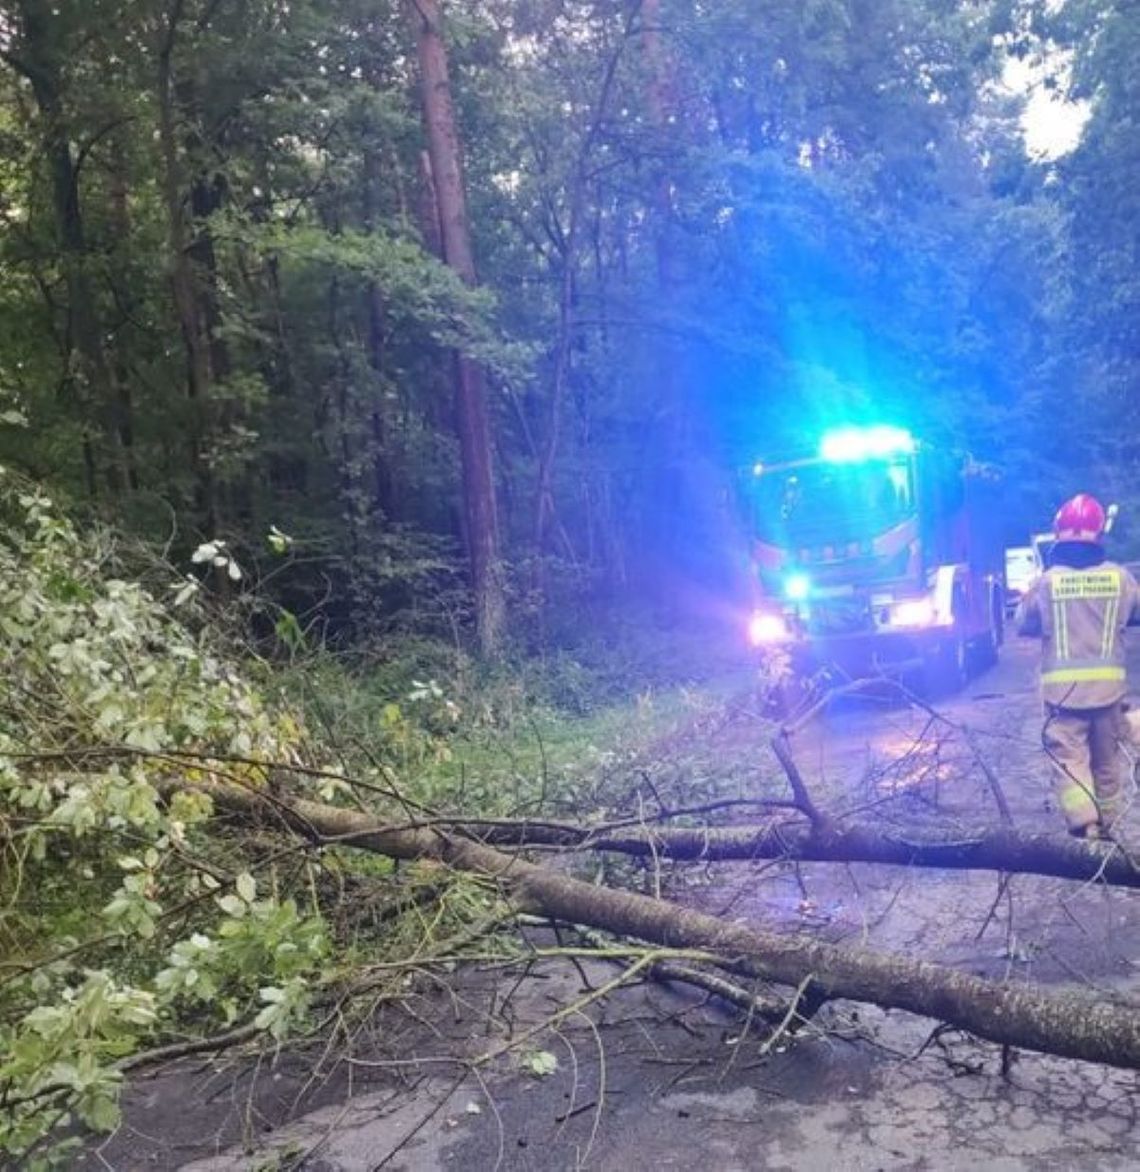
(1080, 519)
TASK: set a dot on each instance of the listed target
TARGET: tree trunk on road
(1069, 1025)
(1005, 850)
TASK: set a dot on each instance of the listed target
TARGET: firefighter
(1079, 608)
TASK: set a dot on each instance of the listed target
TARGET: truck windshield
(825, 503)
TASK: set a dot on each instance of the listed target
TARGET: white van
(1022, 567)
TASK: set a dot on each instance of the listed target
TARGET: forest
(377, 380)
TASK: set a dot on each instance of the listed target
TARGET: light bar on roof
(797, 587)
(847, 445)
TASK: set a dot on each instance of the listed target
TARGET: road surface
(655, 1079)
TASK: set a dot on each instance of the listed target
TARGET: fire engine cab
(877, 554)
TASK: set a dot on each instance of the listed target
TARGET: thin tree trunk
(481, 519)
(658, 94)
(234, 497)
(345, 425)
(1003, 850)
(182, 274)
(544, 502)
(85, 363)
(383, 492)
(667, 491)
(206, 195)
(123, 405)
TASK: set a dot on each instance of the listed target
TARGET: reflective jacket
(1080, 616)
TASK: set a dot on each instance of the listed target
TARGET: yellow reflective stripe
(1109, 636)
(1081, 675)
(1060, 630)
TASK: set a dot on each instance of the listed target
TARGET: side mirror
(1110, 517)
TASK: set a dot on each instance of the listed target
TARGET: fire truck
(877, 554)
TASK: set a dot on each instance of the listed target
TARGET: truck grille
(841, 617)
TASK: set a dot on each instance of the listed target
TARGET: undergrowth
(131, 916)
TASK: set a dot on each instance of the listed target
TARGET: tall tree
(1097, 188)
(480, 511)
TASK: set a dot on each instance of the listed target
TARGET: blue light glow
(797, 587)
(852, 444)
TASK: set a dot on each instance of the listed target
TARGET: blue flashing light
(797, 587)
(848, 445)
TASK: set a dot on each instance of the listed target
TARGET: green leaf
(541, 1063)
(232, 906)
(100, 1112)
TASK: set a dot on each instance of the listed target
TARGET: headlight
(766, 628)
(914, 612)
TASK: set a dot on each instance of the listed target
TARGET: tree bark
(480, 511)
(207, 193)
(1069, 1025)
(1004, 850)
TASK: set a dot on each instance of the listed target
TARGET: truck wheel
(991, 641)
(992, 645)
(988, 651)
(948, 670)
(985, 653)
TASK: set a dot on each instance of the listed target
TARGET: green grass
(558, 736)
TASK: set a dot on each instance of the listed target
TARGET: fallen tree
(1069, 1025)
(796, 830)
(1003, 849)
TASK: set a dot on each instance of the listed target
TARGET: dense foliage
(118, 913)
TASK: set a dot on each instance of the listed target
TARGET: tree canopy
(700, 231)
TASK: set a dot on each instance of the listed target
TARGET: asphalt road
(653, 1078)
